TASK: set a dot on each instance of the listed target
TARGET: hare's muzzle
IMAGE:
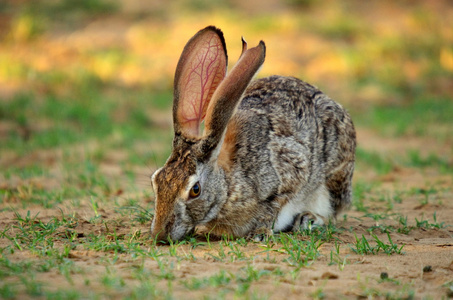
(161, 228)
(170, 231)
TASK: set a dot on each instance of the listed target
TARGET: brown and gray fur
(275, 153)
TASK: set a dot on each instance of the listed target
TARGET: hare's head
(190, 185)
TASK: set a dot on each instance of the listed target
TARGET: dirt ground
(424, 270)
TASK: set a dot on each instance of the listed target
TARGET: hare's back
(292, 125)
(286, 107)
(282, 107)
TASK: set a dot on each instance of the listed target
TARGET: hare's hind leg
(317, 213)
(305, 211)
(329, 200)
(306, 220)
(339, 185)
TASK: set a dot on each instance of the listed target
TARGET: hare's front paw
(259, 235)
(307, 220)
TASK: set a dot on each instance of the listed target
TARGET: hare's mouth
(180, 231)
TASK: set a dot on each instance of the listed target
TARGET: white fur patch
(318, 205)
(286, 215)
(321, 206)
(153, 180)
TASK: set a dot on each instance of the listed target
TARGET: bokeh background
(122, 54)
(92, 79)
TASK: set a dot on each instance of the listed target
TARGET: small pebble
(427, 269)
(384, 275)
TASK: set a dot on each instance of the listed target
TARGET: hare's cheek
(170, 224)
(196, 209)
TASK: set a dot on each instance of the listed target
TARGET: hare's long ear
(201, 68)
(227, 96)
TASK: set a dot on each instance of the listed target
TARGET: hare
(273, 154)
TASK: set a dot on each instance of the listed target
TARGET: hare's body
(274, 154)
(301, 159)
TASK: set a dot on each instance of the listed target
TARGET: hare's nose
(161, 228)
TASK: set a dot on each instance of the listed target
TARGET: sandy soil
(424, 268)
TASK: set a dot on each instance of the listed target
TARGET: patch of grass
(443, 164)
(366, 160)
(26, 172)
(111, 280)
(405, 292)
(32, 286)
(106, 243)
(359, 194)
(405, 229)
(32, 194)
(422, 116)
(341, 28)
(85, 6)
(362, 246)
(403, 226)
(221, 279)
(221, 254)
(235, 252)
(301, 3)
(427, 225)
(377, 216)
(54, 120)
(336, 259)
(137, 213)
(8, 291)
(300, 253)
(9, 268)
(325, 233)
(27, 26)
(247, 276)
(162, 100)
(145, 290)
(69, 120)
(424, 194)
(318, 294)
(204, 5)
(69, 294)
(50, 12)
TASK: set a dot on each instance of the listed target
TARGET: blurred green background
(91, 80)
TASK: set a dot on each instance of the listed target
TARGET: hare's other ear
(201, 68)
(227, 96)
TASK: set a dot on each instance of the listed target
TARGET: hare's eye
(195, 190)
